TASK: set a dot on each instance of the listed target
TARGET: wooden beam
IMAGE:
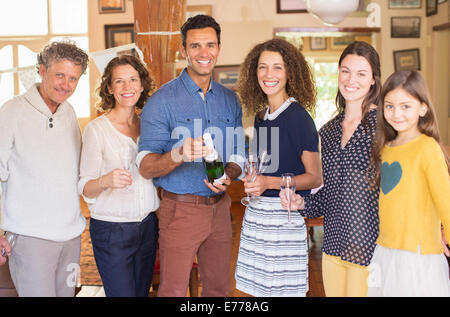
(165, 16)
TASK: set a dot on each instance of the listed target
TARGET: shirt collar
(276, 113)
(35, 99)
(191, 86)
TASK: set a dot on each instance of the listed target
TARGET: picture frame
(198, 9)
(227, 75)
(341, 42)
(405, 4)
(291, 6)
(431, 7)
(405, 27)
(317, 43)
(118, 34)
(111, 6)
(407, 59)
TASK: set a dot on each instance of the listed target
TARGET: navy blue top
(285, 138)
(177, 111)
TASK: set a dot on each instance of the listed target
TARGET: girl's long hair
(414, 84)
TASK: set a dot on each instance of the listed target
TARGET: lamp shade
(331, 11)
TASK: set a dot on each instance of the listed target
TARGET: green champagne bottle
(213, 162)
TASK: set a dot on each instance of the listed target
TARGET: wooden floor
(315, 256)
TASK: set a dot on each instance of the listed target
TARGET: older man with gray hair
(40, 144)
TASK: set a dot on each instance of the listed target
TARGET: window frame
(35, 43)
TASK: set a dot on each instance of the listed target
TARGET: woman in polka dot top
(346, 201)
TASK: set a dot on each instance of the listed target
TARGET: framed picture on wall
(341, 42)
(118, 34)
(226, 75)
(407, 59)
(431, 7)
(405, 27)
(405, 4)
(317, 43)
(291, 6)
(111, 6)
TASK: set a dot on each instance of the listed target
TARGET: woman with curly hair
(276, 84)
(123, 225)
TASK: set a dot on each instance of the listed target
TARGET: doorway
(322, 48)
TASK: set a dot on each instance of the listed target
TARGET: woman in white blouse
(123, 225)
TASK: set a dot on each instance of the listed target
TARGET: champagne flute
(251, 171)
(11, 238)
(288, 186)
(264, 159)
(127, 162)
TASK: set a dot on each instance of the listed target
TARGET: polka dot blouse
(349, 206)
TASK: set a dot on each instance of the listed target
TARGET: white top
(105, 149)
(276, 113)
(39, 160)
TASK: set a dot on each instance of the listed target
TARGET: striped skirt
(273, 257)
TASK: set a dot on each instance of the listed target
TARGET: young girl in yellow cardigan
(412, 169)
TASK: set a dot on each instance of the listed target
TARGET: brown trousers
(187, 229)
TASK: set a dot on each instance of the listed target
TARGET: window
(326, 77)
(23, 33)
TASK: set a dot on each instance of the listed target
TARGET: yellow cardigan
(414, 196)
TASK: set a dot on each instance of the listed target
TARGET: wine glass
(251, 171)
(11, 238)
(288, 186)
(127, 162)
(263, 159)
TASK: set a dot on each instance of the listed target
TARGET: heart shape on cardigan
(390, 176)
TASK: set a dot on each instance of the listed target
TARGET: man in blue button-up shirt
(194, 215)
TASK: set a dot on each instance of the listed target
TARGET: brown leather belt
(189, 198)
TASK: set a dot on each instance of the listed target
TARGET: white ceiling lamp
(331, 12)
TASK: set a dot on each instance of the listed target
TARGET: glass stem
(289, 207)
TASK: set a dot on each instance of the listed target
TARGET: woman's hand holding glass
(296, 201)
(116, 179)
(257, 186)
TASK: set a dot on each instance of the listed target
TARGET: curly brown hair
(300, 82)
(106, 99)
(65, 49)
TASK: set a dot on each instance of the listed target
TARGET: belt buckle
(210, 200)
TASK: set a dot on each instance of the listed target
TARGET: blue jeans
(125, 255)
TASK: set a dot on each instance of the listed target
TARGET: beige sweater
(39, 164)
